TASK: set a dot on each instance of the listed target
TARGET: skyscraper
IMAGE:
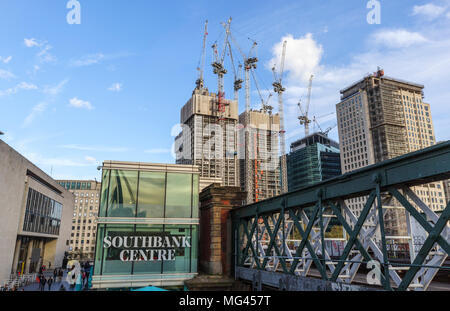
(205, 142)
(312, 159)
(260, 166)
(380, 118)
(85, 215)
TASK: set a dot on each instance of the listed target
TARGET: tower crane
(201, 67)
(279, 89)
(220, 71)
(250, 62)
(329, 129)
(237, 85)
(304, 119)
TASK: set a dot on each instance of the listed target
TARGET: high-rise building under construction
(208, 143)
(260, 165)
(380, 118)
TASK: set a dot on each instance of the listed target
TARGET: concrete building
(204, 143)
(260, 167)
(85, 214)
(312, 159)
(36, 216)
(380, 118)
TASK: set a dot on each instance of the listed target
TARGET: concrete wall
(14, 184)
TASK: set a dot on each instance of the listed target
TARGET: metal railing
(290, 233)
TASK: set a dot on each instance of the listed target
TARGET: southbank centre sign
(145, 246)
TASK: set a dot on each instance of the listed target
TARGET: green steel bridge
(310, 239)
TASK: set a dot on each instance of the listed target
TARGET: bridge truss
(313, 233)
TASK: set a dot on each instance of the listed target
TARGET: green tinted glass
(151, 195)
(178, 196)
(122, 193)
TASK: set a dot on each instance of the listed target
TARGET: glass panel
(111, 257)
(182, 255)
(104, 193)
(122, 193)
(195, 195)
(99, 249)
(151, 195)
(178, 198)
(148, 267)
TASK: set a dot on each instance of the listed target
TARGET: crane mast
(279, 89)
(200, 81)
(220, 71)
(304, 119)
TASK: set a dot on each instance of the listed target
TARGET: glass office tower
(148, 225)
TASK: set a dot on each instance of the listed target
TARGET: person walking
(50, 282)
(55, 273)
(61, 274)
(42, 282)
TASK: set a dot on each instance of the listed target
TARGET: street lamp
(1, 133)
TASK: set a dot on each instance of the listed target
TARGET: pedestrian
(55, 272)
(42, 283)
(50, 282)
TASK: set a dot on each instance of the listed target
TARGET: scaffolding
(205, 142)
(263, 156)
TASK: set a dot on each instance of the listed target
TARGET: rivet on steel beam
(376, 178)
(319, 193)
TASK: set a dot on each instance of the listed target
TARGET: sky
(111, 87)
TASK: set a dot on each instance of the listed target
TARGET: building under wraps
(202, 141)
(260, 167)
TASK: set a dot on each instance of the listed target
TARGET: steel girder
(265, 230)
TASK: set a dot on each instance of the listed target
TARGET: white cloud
(35, 111)
(44, 54)
(427, 64)
(78, 103)
(93, 59)
(6, 60)
(116, 87)
(18, 87)
(4, 74)
(429, 10)
(396, 38)
(94, 148)
(31, 42)
(56, 89)
(303, 56)
(91, 159)
(88, 60)
(57, 161)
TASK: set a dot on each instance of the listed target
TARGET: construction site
(246, 150)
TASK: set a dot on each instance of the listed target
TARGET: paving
(56, 286)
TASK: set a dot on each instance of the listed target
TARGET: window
(122, 193)
(151, 195)
(178, 196)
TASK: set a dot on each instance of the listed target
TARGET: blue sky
(111, 88)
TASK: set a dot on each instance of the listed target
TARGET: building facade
(380, 118)
(207, 144)
(36, 216)
(85, 214)
(260, 163)
(148, 223)
(312, 159)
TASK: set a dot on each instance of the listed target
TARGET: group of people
(49, 281)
